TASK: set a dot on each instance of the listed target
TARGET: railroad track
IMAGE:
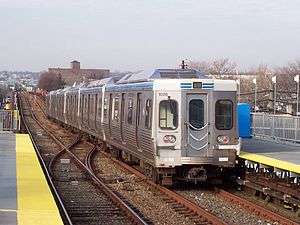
(87, 205)
(179, 204)
(28, 118)
(194, 212)
(190, 206)
(287, 193)
(83, 158)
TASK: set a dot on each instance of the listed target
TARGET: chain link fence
(9, 120)
(281, 127)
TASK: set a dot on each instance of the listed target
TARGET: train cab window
(130, 111)
(168, 115)
(148, 114)
(223, 114)
(196, 113)
(116, 109)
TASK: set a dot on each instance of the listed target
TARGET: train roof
(144, 75)
(160, 79)
(176, 84)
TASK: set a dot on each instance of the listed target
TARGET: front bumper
(216, 157)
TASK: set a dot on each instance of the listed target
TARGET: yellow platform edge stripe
(276, 163)
(36, 204)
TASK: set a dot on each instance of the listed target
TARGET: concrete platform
(285, 156)
(25, 197)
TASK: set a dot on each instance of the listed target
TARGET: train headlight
(223, 139)
(170, 139)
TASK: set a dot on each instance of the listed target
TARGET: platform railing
(281, 127)
(9, 120)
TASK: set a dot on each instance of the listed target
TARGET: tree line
(224, 68)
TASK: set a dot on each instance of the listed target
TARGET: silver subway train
(177, 124)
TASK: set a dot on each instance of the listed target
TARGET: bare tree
(285, 75)
(222, 66)
(203, 66)
(50, 81)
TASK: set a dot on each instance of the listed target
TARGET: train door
(110, 113)
(196, 124)
(122, 119)
(137, 120)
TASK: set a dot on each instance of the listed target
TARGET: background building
(76, 74)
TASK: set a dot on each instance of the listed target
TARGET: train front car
(196, 136)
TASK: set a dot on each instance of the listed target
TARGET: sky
(145, 34)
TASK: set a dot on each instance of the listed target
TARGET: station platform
(25, 197)
(282, 156)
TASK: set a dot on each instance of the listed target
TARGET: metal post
(255, 97)
(238, 81)
(274, 98)
(255, 93)
(274, 81)
(297, 80)
(297, 110)
(239, 89)
(273, 126)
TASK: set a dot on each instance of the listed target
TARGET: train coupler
(197, 174)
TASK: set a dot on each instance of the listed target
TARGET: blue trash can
(244, 120)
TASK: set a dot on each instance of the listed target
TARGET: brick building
(76, 74)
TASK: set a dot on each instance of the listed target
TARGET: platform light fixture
(297, 80)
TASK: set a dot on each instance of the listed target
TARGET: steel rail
(190, 206)
(61, 206)
(62, 151)
(258, 210)
(135, 218)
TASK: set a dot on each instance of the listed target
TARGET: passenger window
(85, 104)
(223, 114)
(130, 111)
(168, 114)
(99, 108)
(116, 109)
(196, 113)
(81, 105)
(89, 105)
(123, 107)
(148, 114)
(96, 106)
(105, 108)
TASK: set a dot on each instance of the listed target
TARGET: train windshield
(223, 113)
(168, 115)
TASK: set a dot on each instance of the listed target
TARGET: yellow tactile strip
(276, 163)
(36, 204)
